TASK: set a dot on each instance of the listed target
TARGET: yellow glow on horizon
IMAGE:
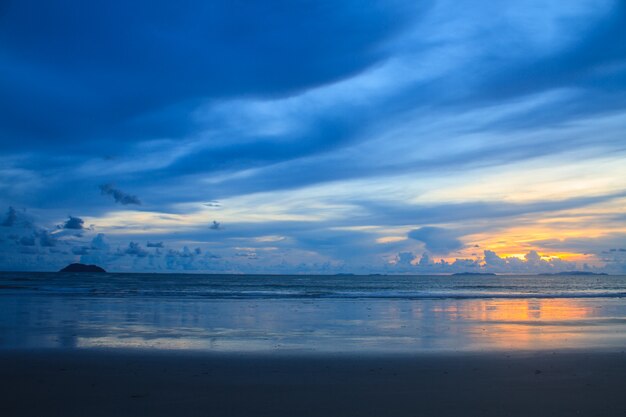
(518, 241)
(520, 256)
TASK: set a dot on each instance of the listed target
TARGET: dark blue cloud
(46, 239)
(437, 239)
(80, 250)
(591, 70)
(118, 195)
(135, 249)
(295, 159)
(16, 218)
(11, 218)
(75, 223)
(594, 61)
(27, 241)
(114, 70)
(401, 214)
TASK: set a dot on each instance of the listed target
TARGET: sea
(342, 314)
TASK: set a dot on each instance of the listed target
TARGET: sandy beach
(151, 383)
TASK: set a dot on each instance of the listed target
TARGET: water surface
(248, 313)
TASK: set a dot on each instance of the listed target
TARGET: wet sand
(114, 382)
(323, 326)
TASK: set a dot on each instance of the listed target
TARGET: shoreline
(122, 382)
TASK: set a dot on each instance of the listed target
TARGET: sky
(324, 137)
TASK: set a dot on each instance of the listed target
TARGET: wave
(303, 294)
(312, 287)
(425, 295)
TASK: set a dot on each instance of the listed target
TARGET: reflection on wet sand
(533, 324)
(314, 325)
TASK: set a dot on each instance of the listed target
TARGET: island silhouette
(78, 267)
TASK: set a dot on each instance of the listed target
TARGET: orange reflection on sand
(528, 324)
(533, 309)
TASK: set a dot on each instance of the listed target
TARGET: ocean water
(312, 286)
(304, 314)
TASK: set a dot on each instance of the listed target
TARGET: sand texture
(147, 383)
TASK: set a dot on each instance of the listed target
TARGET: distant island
(473, 273)
(82, 268)
(579, 273)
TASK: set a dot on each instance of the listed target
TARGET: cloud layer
(313, 136)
